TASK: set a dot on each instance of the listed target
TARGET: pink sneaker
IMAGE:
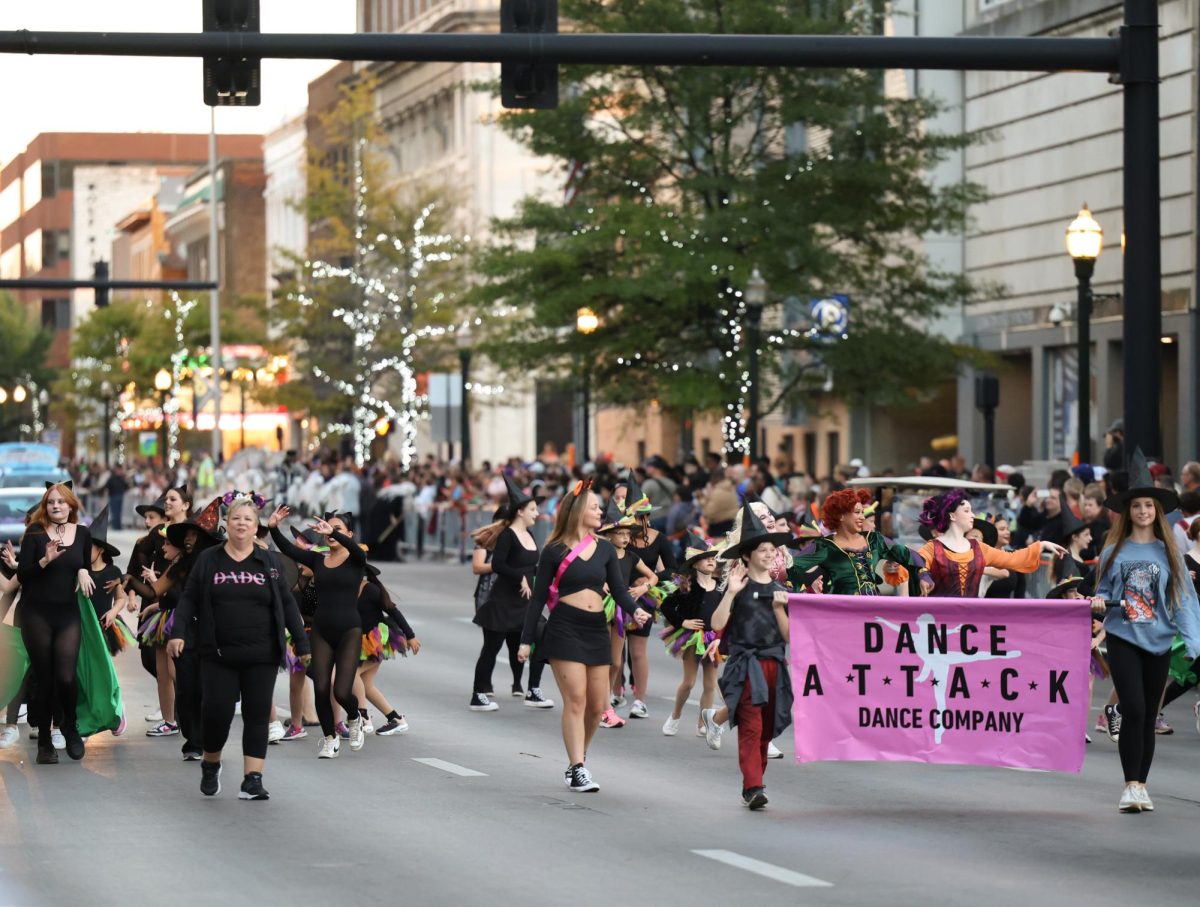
(120, 727)
(611, 719)
(294, 733)
(343, 730)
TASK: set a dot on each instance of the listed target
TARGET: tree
(373, 303)
(23, 347)
(682, 181)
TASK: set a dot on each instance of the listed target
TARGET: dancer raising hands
(337, 627)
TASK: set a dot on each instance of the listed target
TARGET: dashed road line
(767, 870)
(451, 768)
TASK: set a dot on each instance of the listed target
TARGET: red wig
(841, 503)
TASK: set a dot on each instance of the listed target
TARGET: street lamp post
(106, 392)
(756, 299)
(1085, 240)
(162, 384)
(463, 339)
(586, 322)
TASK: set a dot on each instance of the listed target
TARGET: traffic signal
(524, 86)
(231, 80)
(100, 273)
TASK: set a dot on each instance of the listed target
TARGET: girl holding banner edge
(1140, 566)
(954, 564)
(755, 684)
(572, 573)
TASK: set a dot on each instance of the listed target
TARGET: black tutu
(573, 634)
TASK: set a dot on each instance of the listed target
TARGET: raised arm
(308, 558)
(357, 555)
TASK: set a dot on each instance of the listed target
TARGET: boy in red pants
(755, 683)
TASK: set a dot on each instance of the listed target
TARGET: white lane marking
(465, 620)
(451, 768)
(692, 702)
(768, 870)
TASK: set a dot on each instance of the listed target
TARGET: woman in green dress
(848, 559)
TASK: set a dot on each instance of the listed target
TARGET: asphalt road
(128, 825)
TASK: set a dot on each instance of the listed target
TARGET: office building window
(56, 314)
(834, 442)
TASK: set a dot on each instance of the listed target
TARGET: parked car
(14, 504)
(31, 476)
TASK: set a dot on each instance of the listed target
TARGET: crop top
(601, 568)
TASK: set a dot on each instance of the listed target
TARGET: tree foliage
(23, 347)
(686, 179)
(369, 306)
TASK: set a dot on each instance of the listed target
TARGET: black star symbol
(934, 681)
(849, 678)
(1033, 684)
(887, 681)
(985, 683)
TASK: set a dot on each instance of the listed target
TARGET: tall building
(440, 133)
(1055, 143)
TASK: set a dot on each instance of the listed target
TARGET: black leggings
(1174, 690)
(492, 641)
(342, 655)
(189, 701)
(52, 637)
(222, 685)
(1139, 677)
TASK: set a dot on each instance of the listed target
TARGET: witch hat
(516, 497)
(207, 523)
(1141, 485)
(1072, 524)
(314, 539)
(698, 549)
(159, 506)
(99, 533)
(635, 499)
(612, 518)
(753, 534)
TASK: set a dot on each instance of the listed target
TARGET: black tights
(53, 646)
(1139, 677)
(223, 685)
(492, 641)
(1175, 690)
(344, 658)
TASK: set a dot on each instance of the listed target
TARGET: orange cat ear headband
(582, 486)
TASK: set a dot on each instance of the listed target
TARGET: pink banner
(947, 680)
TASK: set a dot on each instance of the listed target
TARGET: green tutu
(1181, 664)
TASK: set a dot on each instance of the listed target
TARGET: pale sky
(145, 94)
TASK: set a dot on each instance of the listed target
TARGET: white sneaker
(368, 728)
(1130, 801)
(1196, 712)
(774, 752)
(638, 709)
(56, 737)
(617, 701)
(671, 726)
(155, 717)
(1144, 799)
(10, 736)
(712, 730)
(329, 747)
(357, 737)
(700, 729)
(275, 732)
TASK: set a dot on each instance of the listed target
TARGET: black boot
(75, 746)
(46, 753)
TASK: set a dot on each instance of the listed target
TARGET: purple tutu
(155, 630)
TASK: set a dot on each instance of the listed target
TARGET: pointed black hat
(613, 518)
(159, 506)
(1141, 485)
(516, 497)
(99, 533)
(753, 534)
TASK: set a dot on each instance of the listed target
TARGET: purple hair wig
(936, 511)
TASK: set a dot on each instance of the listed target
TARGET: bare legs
(584, 691)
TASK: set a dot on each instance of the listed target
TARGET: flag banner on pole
(944, 680)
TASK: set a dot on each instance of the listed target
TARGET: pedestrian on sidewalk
(1141, 567)
(242, 607)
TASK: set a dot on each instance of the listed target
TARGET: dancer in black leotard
(576, 638)
(337, 628)
(52, 567)
(386, 634)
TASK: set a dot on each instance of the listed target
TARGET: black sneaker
(755, 798)
(47, 755)
(579, 779)
(535, 700)
(517, 691)
(210, 778)
(482, 702)
(75, 747)
(1112, 717)
(252, 788)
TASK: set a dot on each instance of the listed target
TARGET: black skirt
(573, 634)
(501, 614)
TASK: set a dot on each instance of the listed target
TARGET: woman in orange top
(954, 564)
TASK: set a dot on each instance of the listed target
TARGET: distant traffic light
(231, 80)
(100, 273)
(524, 86)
